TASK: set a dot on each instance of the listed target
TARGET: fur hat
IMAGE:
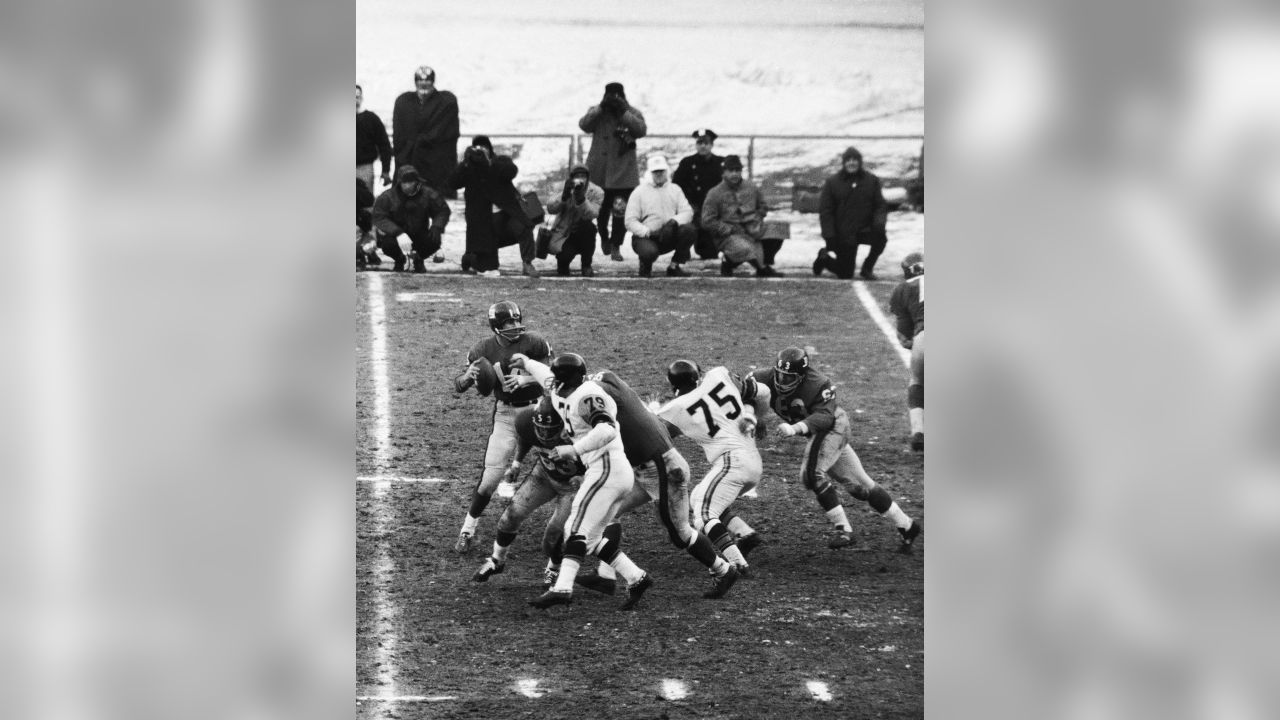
(615, 87)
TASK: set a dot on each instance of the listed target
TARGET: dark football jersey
(907, 302)
(527, 441)
(499, 353)
(643, 436)
(814, 401)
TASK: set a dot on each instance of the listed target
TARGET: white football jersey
(710, 414)
(586, 402)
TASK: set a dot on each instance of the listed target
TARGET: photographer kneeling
(495, 217)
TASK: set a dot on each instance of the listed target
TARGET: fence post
(572, 140)
(751, 158)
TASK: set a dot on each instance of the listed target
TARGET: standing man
(696, 175)
(516, 390)
(614, 126)
(733, 213)
(371, 144)
(410, 208)
(424, 124)
(574, 231)
(806, 401)
(709, 411)
(907, 303)
(495, 218)
(660, 221)
(852, 211)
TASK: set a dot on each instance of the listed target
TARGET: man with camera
(495, 217)
(574, 232)
(614, 126)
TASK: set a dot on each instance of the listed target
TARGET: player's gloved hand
(564, 452)
(513, 382)
(790, 430)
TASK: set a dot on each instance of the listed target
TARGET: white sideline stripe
(398, 479)
(873, 309)
(674, 689)
(405, 698)
(819, 690)
(528, 688)
(426, 297)
(383, 612)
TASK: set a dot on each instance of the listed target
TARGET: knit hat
(851, 154)
(615, 87)
(732, 162)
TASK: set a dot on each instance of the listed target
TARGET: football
(487, 378)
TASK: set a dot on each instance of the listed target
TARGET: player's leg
(673, 511)
(553, 538)
(849, 472)
(915, 393)
(822, 452)
(535, 493)
(718, 489)
(497, 457)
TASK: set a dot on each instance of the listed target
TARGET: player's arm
(538, 370)
(898, 306)
(604, 427)
(468, 376)
(821, 417)
(672, 430)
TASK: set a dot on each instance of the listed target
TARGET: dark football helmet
(789, 371)
(684, 376)
(912, 265)
(547, 423)
(570, 370)
(500, 313)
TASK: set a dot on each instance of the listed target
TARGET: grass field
(818, 633)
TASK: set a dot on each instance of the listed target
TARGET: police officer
(696, 174)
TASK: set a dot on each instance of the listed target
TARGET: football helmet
(684, 376)
(547, 423)
(500, 313)
(789, 371)
(912, 265)
(569, 370)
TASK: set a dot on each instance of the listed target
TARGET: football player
(709, 410)
(806, 401)
(661, 472)
(907, 304)
(516, 390)
(591, 422)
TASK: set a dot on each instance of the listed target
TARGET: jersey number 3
(731, 401)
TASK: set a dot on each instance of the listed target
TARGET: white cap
(657, 162)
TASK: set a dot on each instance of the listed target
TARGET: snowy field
(751, 67)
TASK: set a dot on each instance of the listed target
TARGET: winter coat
(727, 211)
(488, 186)
(570, 212)
(395, 213)
(371, 140)
(612, 158)
(650, 207)
(425, 135)
(849, 205)
(697, 175)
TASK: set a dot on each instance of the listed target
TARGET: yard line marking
(528, 688)
(674, 689)
(873, 309)
(398, 479)
(405, 698)
(819, 690)
(427, 297)
(378, 360)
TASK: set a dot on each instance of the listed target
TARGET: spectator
(660, 221)
(574, 231)
(371, 144)
(614, 126)
(425, 128)
(852, 212)
(364, 223)
(487, 178)
(696, 175)
(410, 208)
(733, 213)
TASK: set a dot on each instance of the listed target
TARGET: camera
(579, 182)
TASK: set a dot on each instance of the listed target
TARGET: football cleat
(594, 581)
(917, 442)
(910, 534)
(720, 585)
(549, 578)
(463, 545)
(490, 568)
(744, 571)
(635, 592)
(842, 539)
(552, 597)
(747, 543)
